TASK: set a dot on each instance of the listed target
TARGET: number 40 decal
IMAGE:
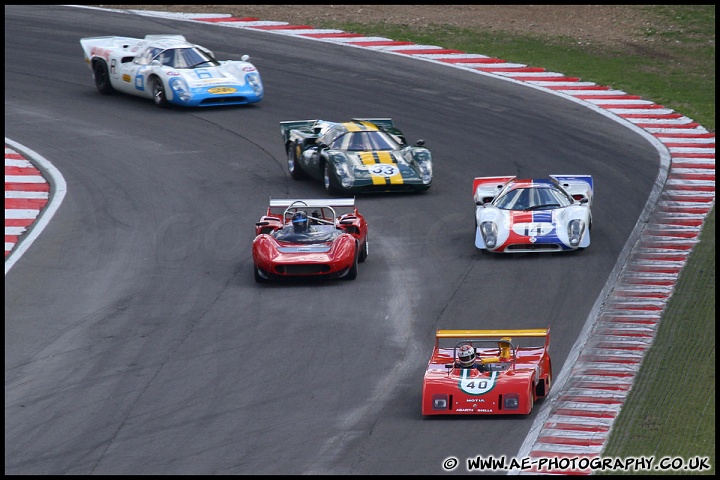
(476, 385)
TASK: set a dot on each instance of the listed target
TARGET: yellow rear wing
(470, 334)
(312, 202)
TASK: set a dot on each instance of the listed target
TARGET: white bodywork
(133, 64)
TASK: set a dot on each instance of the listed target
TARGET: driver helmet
(466, 355)
(300, 221)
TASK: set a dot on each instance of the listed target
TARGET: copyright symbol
(450, 463)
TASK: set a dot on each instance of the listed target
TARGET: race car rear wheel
(363, 251)
(102, 78)
(158, 92)
(293, 152)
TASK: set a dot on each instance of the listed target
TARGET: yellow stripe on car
(360, 126)
(369, 126)
(367, 158)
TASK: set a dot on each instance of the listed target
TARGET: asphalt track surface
(136, 340)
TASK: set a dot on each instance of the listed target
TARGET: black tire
(158, 92)
(363, 251)
(548, 384)
(327, 179)
(258, 277)
(102, 78)
(293, 167)
(353, 272)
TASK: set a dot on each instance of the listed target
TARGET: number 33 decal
(383, 170)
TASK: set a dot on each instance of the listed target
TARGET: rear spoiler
(286, 126)
(576, 184)
(164, 36)
(313, 202)
(573, 179)
(470, 334)
(491, 186)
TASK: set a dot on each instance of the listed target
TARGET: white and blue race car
(170, 70)
(533, 215)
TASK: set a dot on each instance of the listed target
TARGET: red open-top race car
(322, 238)
(487, 372)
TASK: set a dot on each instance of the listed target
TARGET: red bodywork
(506, 378)
(335, 258)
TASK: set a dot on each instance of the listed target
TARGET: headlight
(440, 401)
(253, 79)
(576, 228)
(511, 401)
(342, 170)
(180, 88)
(426, 171)
(489, 233)
(346, 177)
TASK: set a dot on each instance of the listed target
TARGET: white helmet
(466, 355)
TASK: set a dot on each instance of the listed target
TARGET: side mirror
(420, 142)
(155, 63)
(245, 58)
(321, 145)
(584, 200)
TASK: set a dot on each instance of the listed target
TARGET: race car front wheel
(353, 272)
(158, 92)
(258, 276)
(327, 179)
(102, 78)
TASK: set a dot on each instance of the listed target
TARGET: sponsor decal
(249, 69)
(482, 410)
(140, 80)
(172, 73)
(221, 90)
(126, 78)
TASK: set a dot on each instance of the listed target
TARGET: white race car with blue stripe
(170, 70)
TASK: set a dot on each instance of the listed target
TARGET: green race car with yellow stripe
(363, 155)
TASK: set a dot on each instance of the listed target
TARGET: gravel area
(601, 25)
